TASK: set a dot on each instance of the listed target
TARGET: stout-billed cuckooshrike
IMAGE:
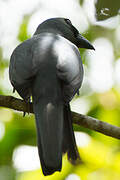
(48, 67)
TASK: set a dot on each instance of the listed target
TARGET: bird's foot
(13, 90)
(27, 101)
(78, 93)
(24, 113)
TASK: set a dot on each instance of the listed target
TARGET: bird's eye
(74, 30)
(68, 21)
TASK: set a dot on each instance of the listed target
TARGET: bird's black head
(65, 28)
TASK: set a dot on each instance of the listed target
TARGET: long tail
(49, 123)
(69, 143)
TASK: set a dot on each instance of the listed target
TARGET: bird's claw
(13, 90)
(24, 113)
(27, 101)
(78, 93)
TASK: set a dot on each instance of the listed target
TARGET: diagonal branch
(79, 119)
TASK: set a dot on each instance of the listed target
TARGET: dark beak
(83, 43)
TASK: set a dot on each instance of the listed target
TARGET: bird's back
(46, 54)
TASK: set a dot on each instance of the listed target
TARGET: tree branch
(79, 119)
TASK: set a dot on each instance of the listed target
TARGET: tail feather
(69, 143)
(49, 123)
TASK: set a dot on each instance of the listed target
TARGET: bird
(49, 68)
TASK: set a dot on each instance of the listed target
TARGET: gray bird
(48, 67)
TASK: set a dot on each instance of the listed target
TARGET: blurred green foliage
(23, 34)
(101, 156)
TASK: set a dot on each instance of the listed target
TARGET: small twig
(79, 119)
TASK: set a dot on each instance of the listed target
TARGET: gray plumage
(48, 66)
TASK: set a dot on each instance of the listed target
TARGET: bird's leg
(28, 105)
(13, 90)
(78, 93)
(28, 101)
(24, 113)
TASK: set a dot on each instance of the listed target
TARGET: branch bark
(79, 119)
